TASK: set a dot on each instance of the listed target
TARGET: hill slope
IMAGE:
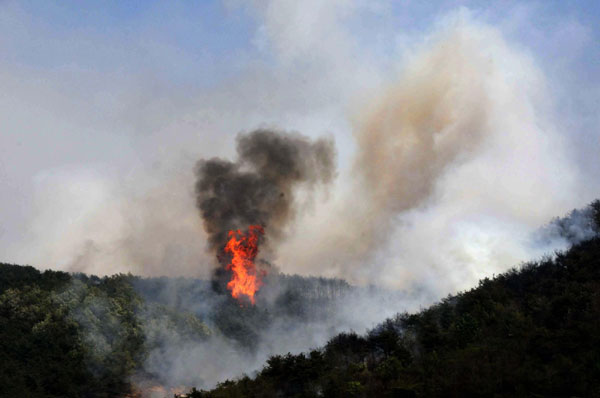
(530, 332)
(74, 335)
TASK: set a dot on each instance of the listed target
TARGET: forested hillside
(45, 352)
(534, 331)
(530, 332)
(74, 335)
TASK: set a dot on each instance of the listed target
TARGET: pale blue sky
(190, 42)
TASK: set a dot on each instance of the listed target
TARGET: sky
(105, 107)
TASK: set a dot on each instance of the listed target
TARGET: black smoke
(258, 188)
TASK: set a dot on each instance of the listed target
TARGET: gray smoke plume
(577, 226)
(259, 187)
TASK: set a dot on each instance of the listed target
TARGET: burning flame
(245, 280)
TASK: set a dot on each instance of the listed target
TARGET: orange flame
(245, 280)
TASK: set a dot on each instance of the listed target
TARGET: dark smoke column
(258, 188)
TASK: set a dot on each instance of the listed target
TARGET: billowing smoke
(454, 159)
(433, 118)
(579, 225)
(258, 188)
(457, 163)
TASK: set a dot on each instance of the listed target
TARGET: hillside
(77, 335)
(530, 332)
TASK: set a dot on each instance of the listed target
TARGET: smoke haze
(452, 162)
(446, 132)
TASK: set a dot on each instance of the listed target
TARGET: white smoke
(458, 163)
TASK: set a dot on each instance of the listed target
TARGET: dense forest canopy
(73, 335)
(532, 331)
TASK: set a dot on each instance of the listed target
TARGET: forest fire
(245, 278)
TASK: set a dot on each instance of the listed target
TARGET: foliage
(65, 335)
(42, 354)
(533, 331)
